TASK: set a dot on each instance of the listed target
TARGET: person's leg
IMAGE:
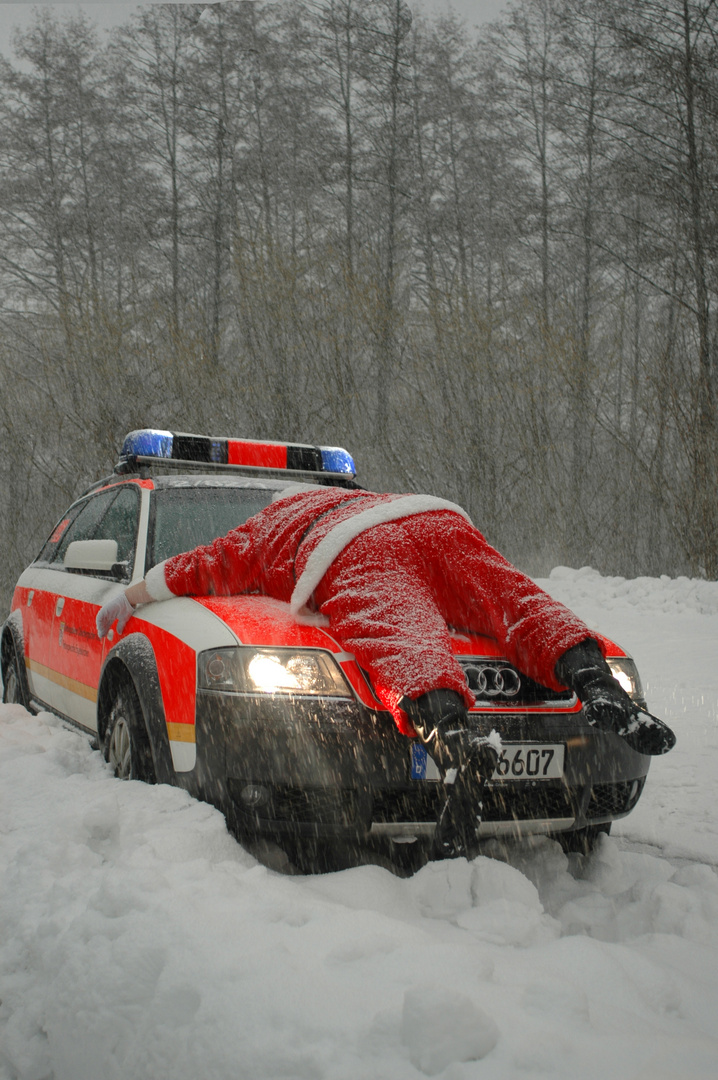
(383, 610)
(478, 590)
(606, 704)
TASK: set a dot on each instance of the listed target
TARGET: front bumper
(331, 768)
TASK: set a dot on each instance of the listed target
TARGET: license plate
(518, 761)
(530, 761)
(423, 766)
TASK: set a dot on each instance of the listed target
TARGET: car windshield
(186, 517)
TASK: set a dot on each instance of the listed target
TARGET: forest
(486, 262)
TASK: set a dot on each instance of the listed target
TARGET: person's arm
(224, 567)
(120, 608)
(152, 587)
(138, 594)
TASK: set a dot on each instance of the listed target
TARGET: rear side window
(57, 534)
(184, 518)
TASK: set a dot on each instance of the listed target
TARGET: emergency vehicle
(259, 713)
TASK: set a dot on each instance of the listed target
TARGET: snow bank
(649, 596)
(138, 941)
(671, 628)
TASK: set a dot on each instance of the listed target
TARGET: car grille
(504, 802)
(496, 682)
(614, 798)
(522, 802)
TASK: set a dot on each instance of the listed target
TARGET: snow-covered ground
(138, 941)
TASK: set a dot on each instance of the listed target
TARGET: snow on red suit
(390, 590)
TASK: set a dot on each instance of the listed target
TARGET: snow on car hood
(261, 620)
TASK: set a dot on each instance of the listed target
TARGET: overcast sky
(107, 15)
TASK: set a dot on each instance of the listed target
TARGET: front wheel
(582, 841)
(127, 746)
(12, 689)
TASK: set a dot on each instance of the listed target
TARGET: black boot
(466, 760)
(606, 704)
(457, 827)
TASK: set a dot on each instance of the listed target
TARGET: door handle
(59, 605)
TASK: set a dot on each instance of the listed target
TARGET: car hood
(262, 621)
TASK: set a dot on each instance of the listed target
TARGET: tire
(582, 841)
(405, 860)
(126, 745)
(12, 681)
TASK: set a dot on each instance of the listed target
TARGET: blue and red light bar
(150, 444)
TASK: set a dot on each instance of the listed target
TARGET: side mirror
(98, 555)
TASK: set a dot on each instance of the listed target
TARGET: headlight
(625, 672)
(271, 671)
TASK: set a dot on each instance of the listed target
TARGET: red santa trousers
(392, 591)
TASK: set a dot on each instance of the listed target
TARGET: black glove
(442, 722)
(606, 704)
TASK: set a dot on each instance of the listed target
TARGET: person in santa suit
(393, 573)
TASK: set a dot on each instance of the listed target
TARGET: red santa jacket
(286, 549)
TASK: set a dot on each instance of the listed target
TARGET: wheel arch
(133, 659)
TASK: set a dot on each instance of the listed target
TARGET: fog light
(254, 795)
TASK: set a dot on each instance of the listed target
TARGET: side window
(84, 525)
(120, 524)
(47, 553)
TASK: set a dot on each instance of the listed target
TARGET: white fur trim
(337, 538)
(296, 487)
(156, 583)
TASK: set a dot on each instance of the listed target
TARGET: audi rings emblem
(493, 681)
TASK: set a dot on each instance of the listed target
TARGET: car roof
(207, 480)
(195, 480)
